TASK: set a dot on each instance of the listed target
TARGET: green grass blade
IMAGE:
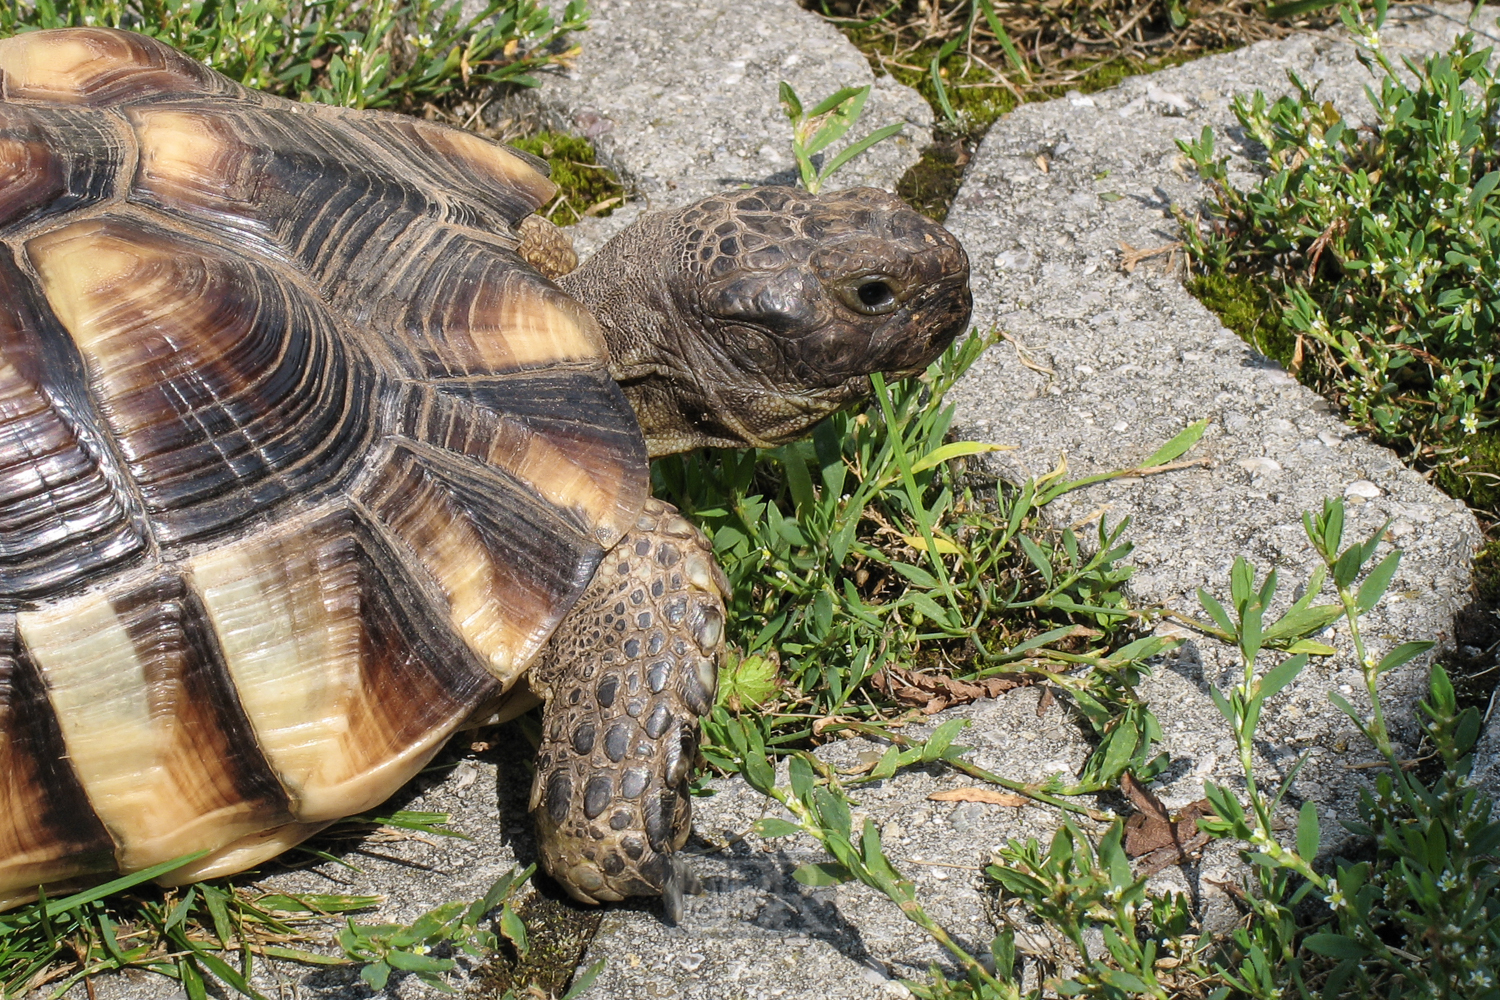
(919, 510)
(1003, 37)
(854, 149)
(936, 75)
(1174, 448)
(120, 884)
(838, 97)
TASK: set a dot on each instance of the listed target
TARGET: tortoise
(314, 450)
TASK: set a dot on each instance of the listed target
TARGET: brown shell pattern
(299, 463)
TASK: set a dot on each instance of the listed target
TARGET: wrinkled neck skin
(685, 392)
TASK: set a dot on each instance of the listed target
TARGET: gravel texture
(680, 99)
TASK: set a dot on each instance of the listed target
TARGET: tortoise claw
(681, 880)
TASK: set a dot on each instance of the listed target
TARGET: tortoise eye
(873, 295)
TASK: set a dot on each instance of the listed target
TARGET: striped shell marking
(299, 463)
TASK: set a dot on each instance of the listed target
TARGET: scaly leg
(625, 679)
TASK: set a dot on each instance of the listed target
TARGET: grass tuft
(377, 54)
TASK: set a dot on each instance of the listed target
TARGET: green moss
(584, 187)
(558, 933)
(1243, 303)
(931, 184)
(1473, 475)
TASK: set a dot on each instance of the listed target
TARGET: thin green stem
(913, 494)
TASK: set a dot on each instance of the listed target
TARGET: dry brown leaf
(979, 794)
(828, 720)
(1156, 837)
(1133, 256)
(935, 692)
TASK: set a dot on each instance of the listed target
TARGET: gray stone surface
(680, 99)
(1119, 362)
(684, 94)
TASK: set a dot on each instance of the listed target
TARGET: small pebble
(1259, 466)
(1362, 488)
(1174, 101)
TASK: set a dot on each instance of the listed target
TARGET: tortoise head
(748, 317)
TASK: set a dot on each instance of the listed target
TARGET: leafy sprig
(1378, 245)
(818, 127)
(377, 54)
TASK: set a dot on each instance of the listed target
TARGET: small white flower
(1471, 426)
(1413, 283)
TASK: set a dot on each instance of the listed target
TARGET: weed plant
(1376, 245)
(818, 127)
(1421, 918)
(355, 53)
(866, 553)
(214, 932)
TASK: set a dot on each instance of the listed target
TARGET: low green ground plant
(1416, 916)
(1374, 246)
(355, 53)
(868, 553)
(214, 932)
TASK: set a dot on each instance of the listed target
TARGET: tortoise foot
(626, 678)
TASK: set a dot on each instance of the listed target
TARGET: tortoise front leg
(625, 679)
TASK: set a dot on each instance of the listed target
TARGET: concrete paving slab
(1105, 365)
(680, 99)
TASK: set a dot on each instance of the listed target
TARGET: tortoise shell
(300, 463)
